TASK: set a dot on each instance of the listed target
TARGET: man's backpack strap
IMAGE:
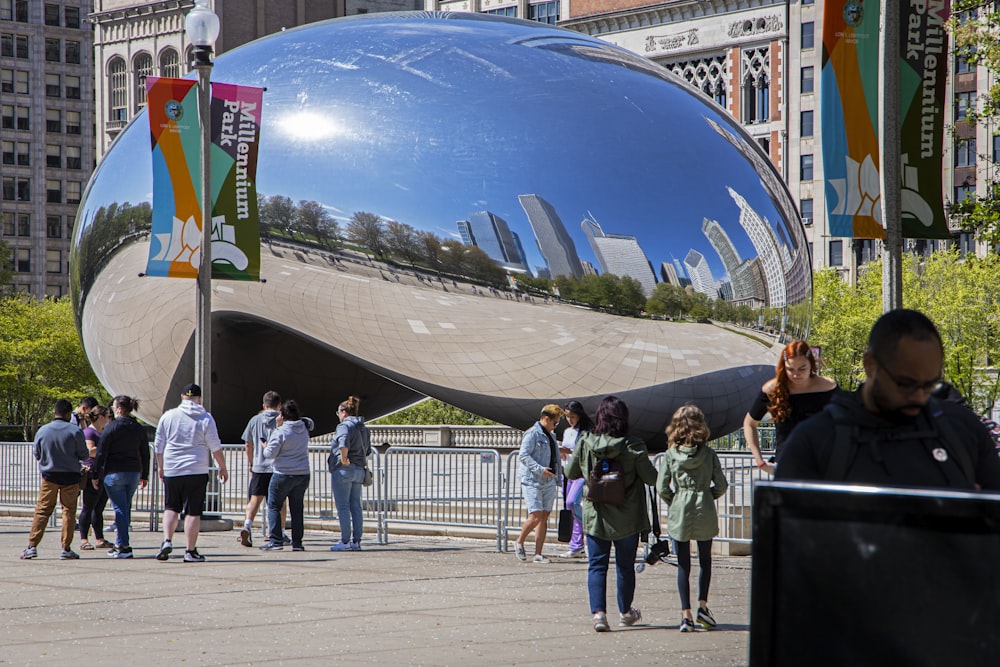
(845, 444)
(953, 444)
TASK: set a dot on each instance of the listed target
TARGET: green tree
(433, 411)
(313, 220)
(41, 360)
(276, 213)
(367, 230)
(403, 242)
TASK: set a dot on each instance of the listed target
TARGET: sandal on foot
(104, 544)
(86, 546)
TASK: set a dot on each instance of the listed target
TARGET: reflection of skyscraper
(554, 242)
(765, 243)
(620, 255)
(465, 231)
(588, 268)
(668, 274)
(491, 234)
(701, 274)
(738, 270)
(681, 273)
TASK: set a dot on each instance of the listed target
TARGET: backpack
(354, 430)
(848, 438)
(606, 482)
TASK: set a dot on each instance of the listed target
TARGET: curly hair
(687, 427)
(780, 407)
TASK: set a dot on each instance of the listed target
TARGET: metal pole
(889, 158)
(203, 314)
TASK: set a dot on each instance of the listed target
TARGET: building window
(503, 11)
(765, 145)
(806, 207)
(546, 12)
(72, 122)
(169, 65)
(22, 260)
(806, 167)
(808, 35)
(6, 81)
(72, 17)
(808, 2)
(52, 50)
(962, 61)
(17, 224)
(964, 191)
(118, 90)
(16, 188)
(23, 119)
(51, 14)
(73, 190)
(706, 74)
(73, 159)
(53, 261)
(755, 65)
(73, 52)
(53, 120)
(807, 80)
(965, 152)
(806, 124)
(143, 67)
(17, 153)
(54, 291)
(53, 192)
(53, 85)
(72, 87)
(53, 226)
(836, 253)
(996, 148)
(13, 46)
(53, 156)
(964, 102)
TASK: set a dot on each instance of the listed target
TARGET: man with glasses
(891, 431)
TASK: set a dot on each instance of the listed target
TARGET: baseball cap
(192, 390)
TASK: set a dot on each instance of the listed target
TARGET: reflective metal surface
(412, 168)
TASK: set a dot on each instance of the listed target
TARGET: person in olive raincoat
(605, 524)
(690, 480)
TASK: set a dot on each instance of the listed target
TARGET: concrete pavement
(415, 601)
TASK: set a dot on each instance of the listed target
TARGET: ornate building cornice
(661, 14)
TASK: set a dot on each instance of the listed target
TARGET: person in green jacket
(606, 524)
(690, 481)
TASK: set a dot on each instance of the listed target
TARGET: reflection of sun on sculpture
(429, 241)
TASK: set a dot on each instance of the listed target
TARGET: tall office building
(46, 134)
(619, 255)
(492, 235)
(554, 242)
(701, 275)
(766, 244)
(668, 274)
(741, 275)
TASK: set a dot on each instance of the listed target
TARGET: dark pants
(599, 553)
(292, 487)
(92, 509)
(683, 551)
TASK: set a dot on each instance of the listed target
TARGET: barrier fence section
(434, 486)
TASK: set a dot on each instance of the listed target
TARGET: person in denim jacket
(538, 473)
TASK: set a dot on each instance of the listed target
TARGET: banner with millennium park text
(849, 112)
(175, 247)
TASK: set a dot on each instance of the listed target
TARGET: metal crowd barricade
(437, 486)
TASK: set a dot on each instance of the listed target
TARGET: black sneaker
(687, 625)
(165, 548)
(705, 618)
(272, 546)
(298, 548)
(193, 557)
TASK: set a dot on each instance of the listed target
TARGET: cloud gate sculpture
(442, 196)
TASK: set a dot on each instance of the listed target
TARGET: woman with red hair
(796, 392)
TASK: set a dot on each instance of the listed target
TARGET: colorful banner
(235, 225)
(849, 112)
(174, 248)
(176, 140)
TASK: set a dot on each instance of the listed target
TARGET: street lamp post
(202, 28)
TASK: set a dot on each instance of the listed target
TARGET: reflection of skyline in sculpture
(700, 273)
(492, 235)
(742, 288)
(619, 254)
(766, 244)
(554, 242)
(668, 274)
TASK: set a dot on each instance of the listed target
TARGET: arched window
(763, 98)
(117, 90)
(748, 103)
(170, 65)
(755, 91)
(142, 67)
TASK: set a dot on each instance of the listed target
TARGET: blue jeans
(121, 487)
(292, 487)
(599, 553)
(347, 483)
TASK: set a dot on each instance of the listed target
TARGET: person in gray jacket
(59, 448)
(690, 480)
(288, 447)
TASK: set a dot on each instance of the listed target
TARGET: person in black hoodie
(122, 463)
(891, 431)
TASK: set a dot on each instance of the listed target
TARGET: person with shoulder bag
(607, 524)
(348, 469)
(690, 481)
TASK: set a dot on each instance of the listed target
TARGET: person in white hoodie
(288, 448)
(187, 439)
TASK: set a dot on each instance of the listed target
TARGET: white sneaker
(539, 558)
(631, 617)
(574, 553)
(519, 551)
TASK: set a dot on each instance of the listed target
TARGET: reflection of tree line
(114, 226)
(399, 243)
